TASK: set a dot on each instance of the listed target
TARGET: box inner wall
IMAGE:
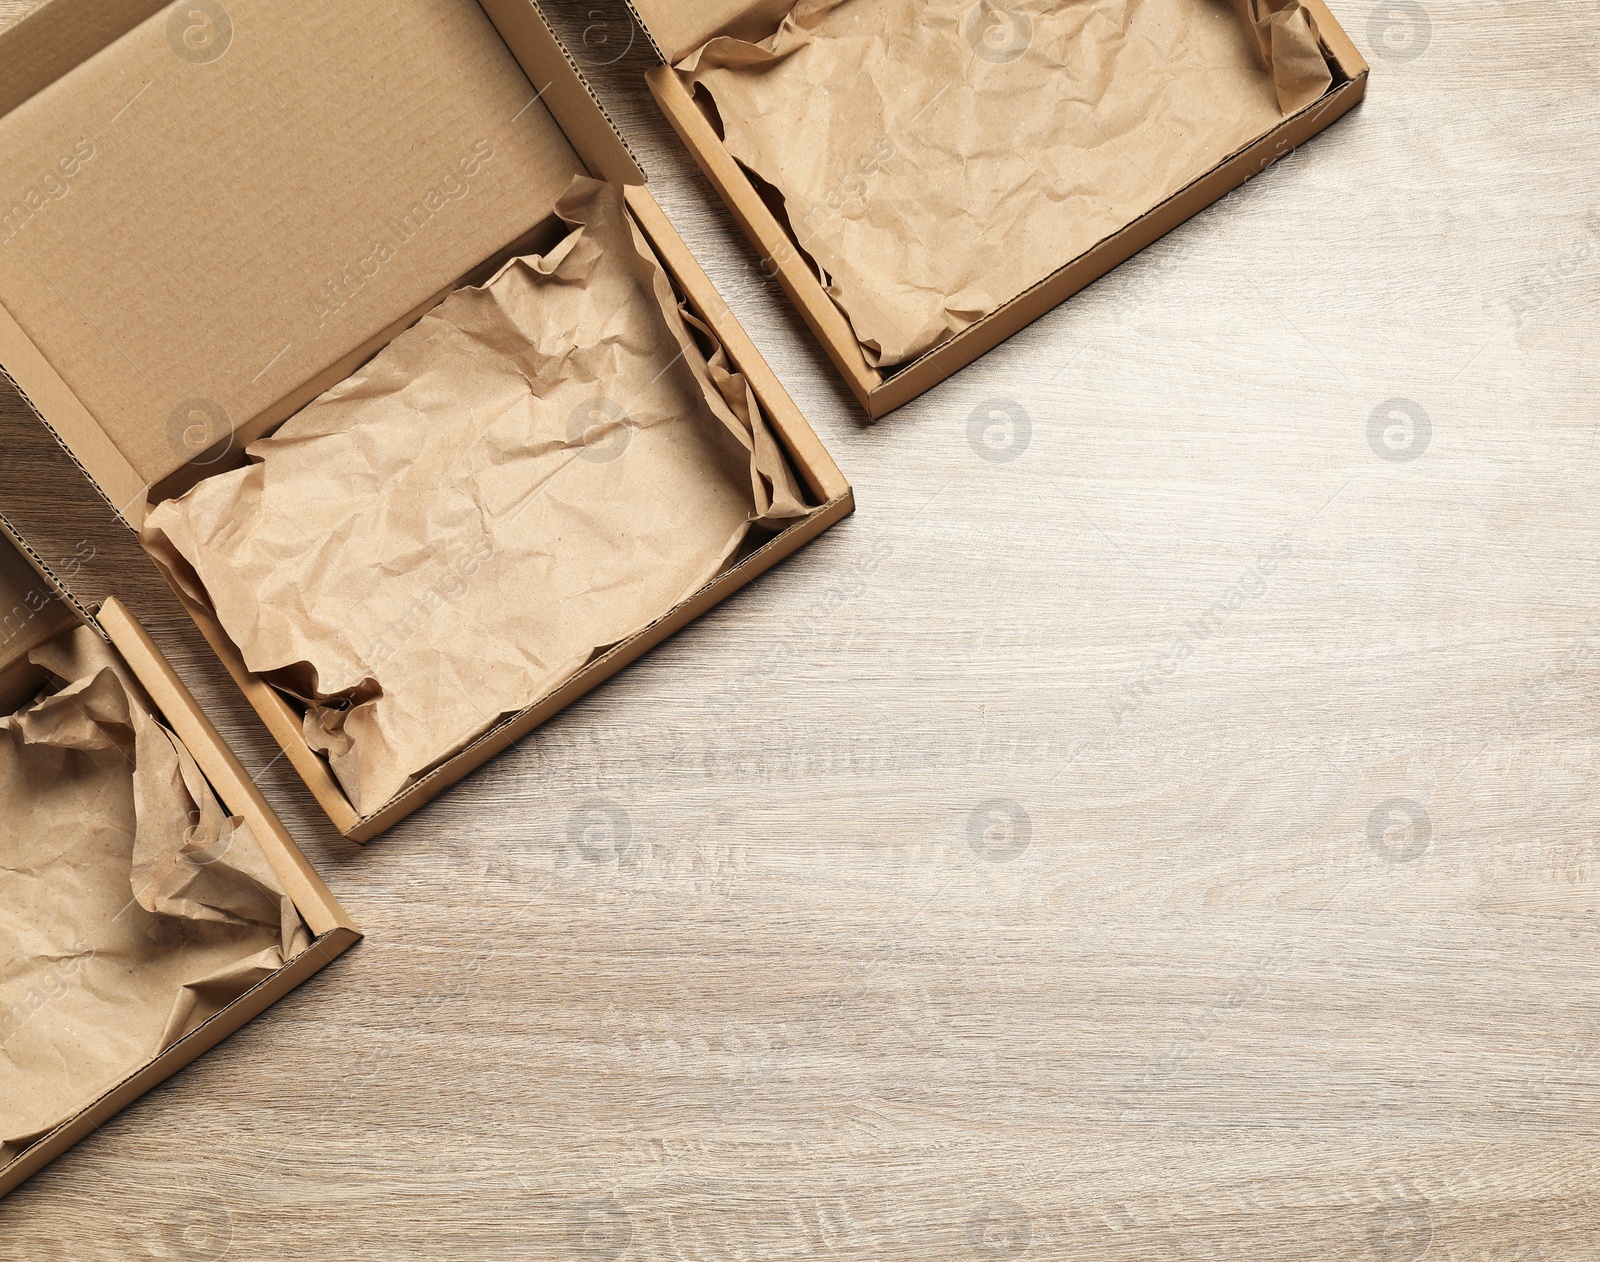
(244, 265)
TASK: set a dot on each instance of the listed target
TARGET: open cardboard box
(35, 606)
(677, 29)
(252, 200)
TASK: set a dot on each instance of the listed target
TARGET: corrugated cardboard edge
(70, 423)
(744, 19)
(811, 460)
(637, 19)
(879, 395)
(333, 930)
(564, 90)
(47, 575)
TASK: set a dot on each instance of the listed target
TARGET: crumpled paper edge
(210, 869)
(1285, 31)
(1286, 40)
(780, 501)
(1290, 47)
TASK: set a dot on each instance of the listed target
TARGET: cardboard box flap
(223, 212)
(58, 35)
(677, 29)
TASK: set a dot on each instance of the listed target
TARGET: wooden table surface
(1159, 826)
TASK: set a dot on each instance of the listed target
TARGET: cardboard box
(676, 30)
(254, 199)
(35, 606)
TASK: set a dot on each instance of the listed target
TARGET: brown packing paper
(132, 907)
(1288, 43)
(938, 159)
(536, 471)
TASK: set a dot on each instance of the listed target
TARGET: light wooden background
(1226, 1002)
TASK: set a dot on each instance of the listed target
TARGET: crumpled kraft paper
(132, 907)
(537, 470)
(1286, 39)
(936, 158)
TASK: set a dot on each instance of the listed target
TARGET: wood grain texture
(1174, 841)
